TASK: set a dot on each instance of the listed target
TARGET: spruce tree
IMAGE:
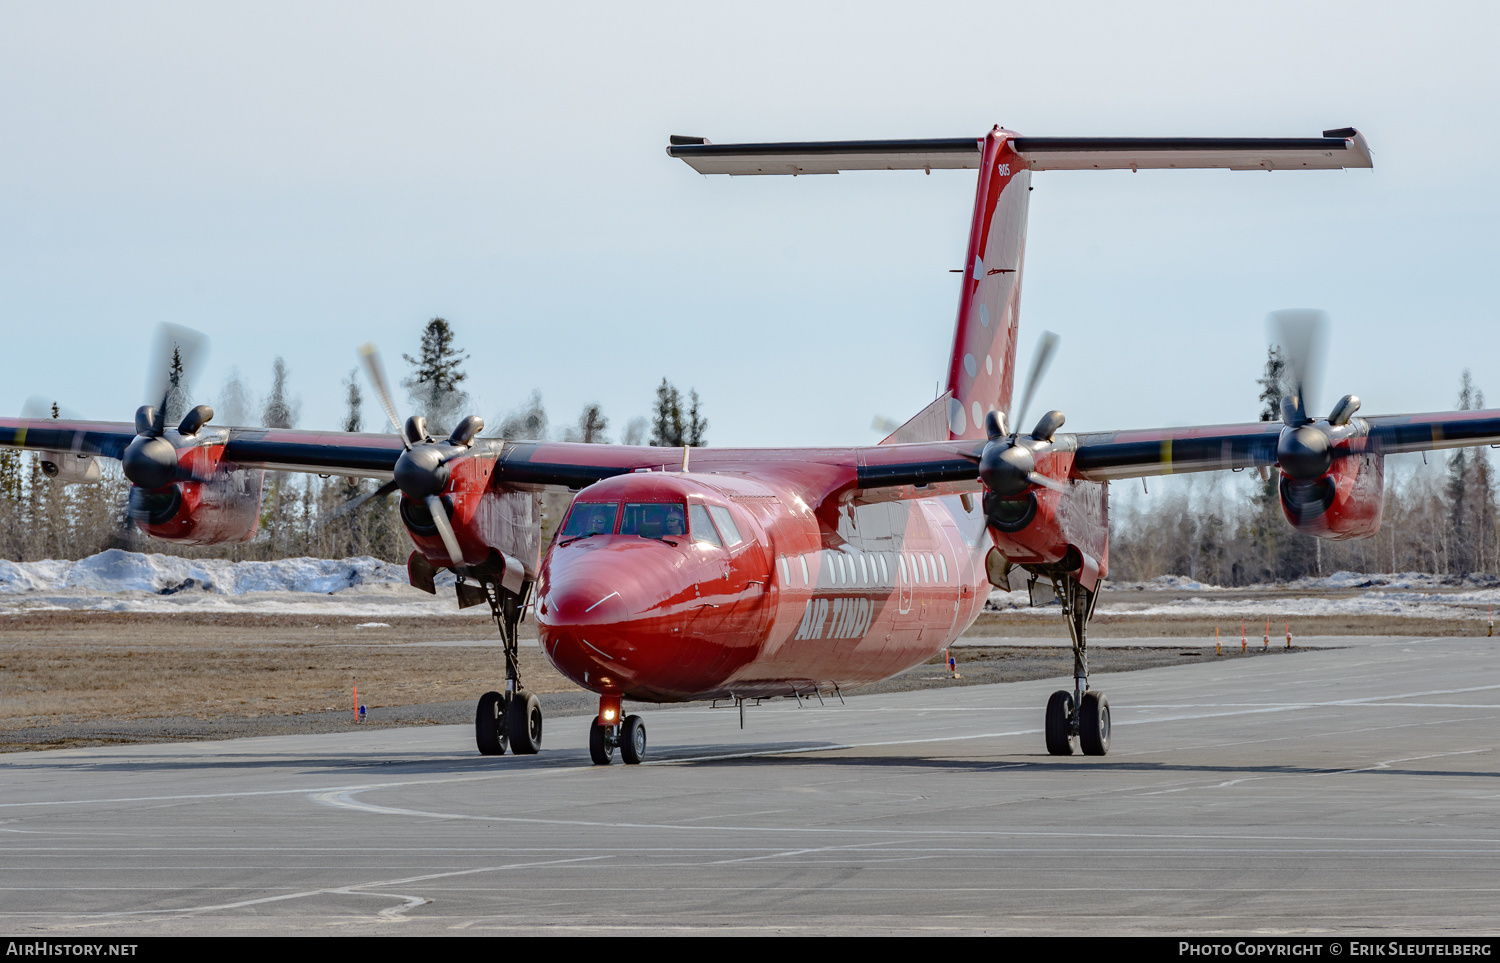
(175, 404)
(434, 384)
(696, 423)
(666, 417)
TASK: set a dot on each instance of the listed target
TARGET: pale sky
(296, 179)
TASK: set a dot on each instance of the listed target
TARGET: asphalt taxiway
(1349, 790)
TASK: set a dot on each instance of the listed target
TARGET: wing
(364, 455)
(329, 453)
(106, 438)
(881, 471)
(1107, 455)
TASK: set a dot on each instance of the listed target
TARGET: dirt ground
(95, 678)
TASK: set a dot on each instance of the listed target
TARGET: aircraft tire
(632, 740)
(523, 723)
(490, 724)
(1093, 724)
(1059, 708)
(599, 748)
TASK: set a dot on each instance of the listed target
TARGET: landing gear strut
(514, 716)
(1084, 712)
(628, 735)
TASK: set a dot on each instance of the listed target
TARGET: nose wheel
(629, 736)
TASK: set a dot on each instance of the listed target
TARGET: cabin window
(922, 564)
(590, 518)
(864, 573)
(786, 577)
(932, 566)
(943, 561)
(831, 563)
(901, 560)
(654, 519)
(726, 525)
(703, 529)
(806, 580)
(885, 573)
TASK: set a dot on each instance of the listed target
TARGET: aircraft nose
(595, 609)
(581, 602)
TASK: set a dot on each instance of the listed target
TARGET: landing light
(609, 715)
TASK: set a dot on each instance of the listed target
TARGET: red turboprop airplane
(720, 573)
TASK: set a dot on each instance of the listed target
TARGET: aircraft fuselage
(777, 597)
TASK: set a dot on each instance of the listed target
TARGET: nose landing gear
(628, 735)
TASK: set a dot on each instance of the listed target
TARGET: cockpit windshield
(654, 519)
(590, 518)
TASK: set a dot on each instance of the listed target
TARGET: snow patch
(123, 581)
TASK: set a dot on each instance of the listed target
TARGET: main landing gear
(1084, 712)
(606, 735)
(514, 716)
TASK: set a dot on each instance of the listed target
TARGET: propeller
(1040, 362)
(1303, 336)
(1305, 449)
(1007, 466)
(422, 470)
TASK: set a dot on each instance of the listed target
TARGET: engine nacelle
(223, 508)
(1347, 502)
(484, 521)
(1065, 531)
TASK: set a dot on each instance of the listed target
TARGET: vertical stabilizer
(981, 370)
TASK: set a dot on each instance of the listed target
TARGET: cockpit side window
(654, 519)
(703, 528)
(726, 525)
(590, 518)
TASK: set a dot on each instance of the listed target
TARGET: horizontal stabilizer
(1335, 150)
